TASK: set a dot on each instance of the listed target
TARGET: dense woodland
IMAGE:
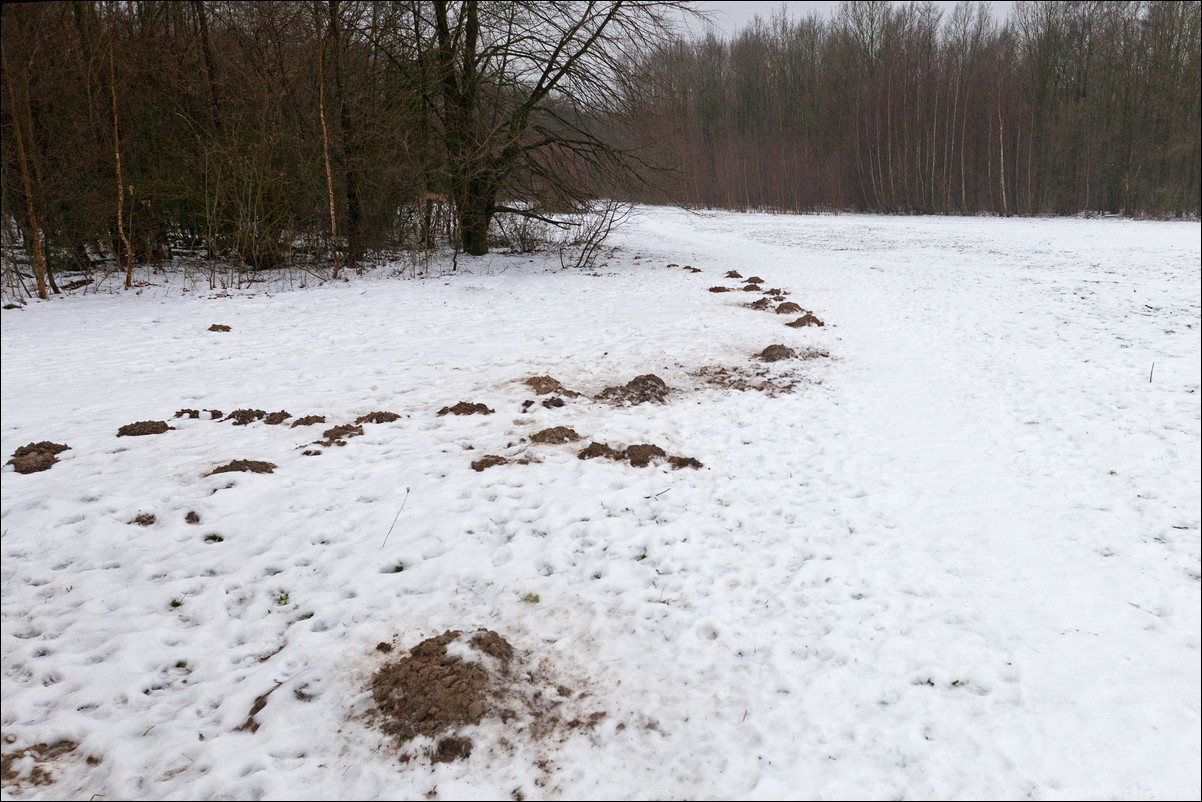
(263, 134)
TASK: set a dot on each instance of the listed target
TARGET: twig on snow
(394, 520)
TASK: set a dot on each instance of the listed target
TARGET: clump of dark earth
(776, 291)
(36, 457)
(733, 274)
(192, 517)
(429, 692)
(143, 427)
(788, 308)
(555, 435)
(638, 390)
(719, 289)
(750, 288)
(544, 385)
(692, 269)
(308, 420)
(219, 327)
(464, 408)
(684, 462)
(807, 319)
(488, 461)
(553, 402)
(143, 519)
(640, 455)
(377, 417)
(755, 280)
(241, 417)
(384, 647)
(188, 413)
(596, 450)
(276, 418)
(529, 402)
(775, 353)
(310, 452)
(244, 466)
(762, 303)
(214, 414)
(338, 435)
(450, 749)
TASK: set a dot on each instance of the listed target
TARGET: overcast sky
(730, 16)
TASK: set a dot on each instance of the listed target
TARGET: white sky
(729, 16)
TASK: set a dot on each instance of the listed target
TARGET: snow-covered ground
(960, 559)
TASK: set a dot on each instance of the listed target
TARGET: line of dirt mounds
(37, 457)
(466, 408)
(639, 456)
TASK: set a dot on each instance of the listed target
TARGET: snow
(961, 559)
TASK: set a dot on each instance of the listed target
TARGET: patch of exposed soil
(245, 466)
(276, 418)
(214, 414)
(219, 327)
(16, 774)
(143, 427)
(744, 379)
(750, 288)
(733, 274)
(692, 269)
(377, 417)
(143, 519)
(488, 461)
(308, 420)
(762, 303)
(188, 413)
(684, 462)
(541, 385)
(464, 408)
(338, 435)
(788, 308)
(596, 450)
(719, 289)
(36, 457)
(775, 353)
(554, 402)
(192, 517)
(755, 280)
(430, 692)
(241, 417)
(451, 749)
(807, 319)
(641, 455)
(555, 436)
(638, 390)
(775, 291)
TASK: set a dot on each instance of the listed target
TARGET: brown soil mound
(192, 517)
(554, 402)
(245, 466)
(640, 455)
(36, 457)
(638, 390)
(219, 327)
(692, 269)
(488, 461)
(750, 288)
(719, 289)
(241, 417)
(755, 280)
(807, 319)
(143, 427)
(143, 519)
(775, 291)
(596, 450)
(541, 385)
(276, 418)
(188, 413)
(214, 414)
(308, 420)
(684, 462)
(555, 436)
(338, 435)
(743, 379)
(430, 692)
(733, 274)
(789, 308)
(762, 303)
(775, 353)
(464, 408)
(377, 417)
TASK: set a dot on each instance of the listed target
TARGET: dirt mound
(276, 418)
(692, 269)
(464, 408)
(488, 461)
(807, 319)
(755, 280)
(541, 385)
(774, 291)
(596, 450)
(193, 517)
(638, 390)
(555, 436)
(143, 427)
(241, 417)
(775, 353)
(789, 308)
(144, 519)
(308, 420)
(640, 455)
(554, 402)
(684, 462)
(733, 274)
(750, 288)
(743, 379)
(433, 690)
(36, 457)
(338, 435)
(188, 413)
(214, 414)
(219, 327)
(245, 466)
(762, 303)
(377, 417)
(719, 289)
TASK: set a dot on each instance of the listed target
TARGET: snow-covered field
(960, 559)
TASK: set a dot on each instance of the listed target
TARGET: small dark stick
(1150, 372)
(394, 520)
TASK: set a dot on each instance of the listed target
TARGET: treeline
(1063, 107)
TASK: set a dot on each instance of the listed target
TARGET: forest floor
(947, 547)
